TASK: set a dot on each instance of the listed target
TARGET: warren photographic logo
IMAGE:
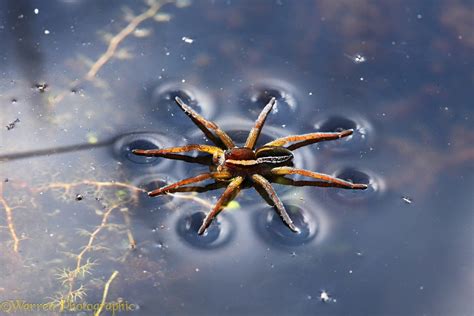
(15, 306)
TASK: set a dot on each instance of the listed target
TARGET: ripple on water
(375, 189)
(272, 229)
(124, 145)
(360, 140)
(220, 232)
(167, 111)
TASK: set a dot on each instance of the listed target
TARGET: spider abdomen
(273, 155)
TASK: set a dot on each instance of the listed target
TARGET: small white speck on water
(197, 269)
(36, 11)
(350, 271)
(419, 16)
(325, 297)
(187, 40)
(311, 93)
(167, 53)
(357, 58)
(407, 200)
(46, 32)
(183, 81)
(361, 78)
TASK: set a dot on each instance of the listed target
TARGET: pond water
(83, 82)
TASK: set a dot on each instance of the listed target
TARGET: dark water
(72, 211)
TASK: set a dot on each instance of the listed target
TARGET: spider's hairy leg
(255, 132)
(204, 176)
(181, 149)
(205, 126)
(230, 192)
(260, 180)
(321, 176)
(307, 139)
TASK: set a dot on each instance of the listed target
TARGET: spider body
(239, 166)
(245, 161)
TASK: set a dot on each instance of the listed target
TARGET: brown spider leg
(276, 201)
(307, 139)
(332, 180)
(200, 189)
(165, 152)
(255, 132)
(205, 126)
(304, 183)
(198, 178)
(230, 192)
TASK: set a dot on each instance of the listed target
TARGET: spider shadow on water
(239, 167)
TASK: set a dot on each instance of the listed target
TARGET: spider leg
(255, 132)
(169, 152)
(260, 180)
(199, 189)
(307, 139)
(321, 176)
(304, 183)
(198, 178)
(205, 126)
(230, 192)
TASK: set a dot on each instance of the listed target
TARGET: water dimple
(255, 97)
(274, 231)
(374, 186)
(218, 234)
(337, 124)
(360, 139)
(164, 104)
(123, 148)
(149, 183)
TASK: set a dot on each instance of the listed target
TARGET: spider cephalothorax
(234, 165)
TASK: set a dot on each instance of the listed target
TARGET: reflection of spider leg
(307, 139)
(205, 125)
(332, 180)
(198, 178)
(165, 152)
(230, 192)
(255, 132)
(276, 200)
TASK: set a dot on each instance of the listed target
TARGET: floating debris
(41, 87)
(79, 197)
(12, 124)
(187, 40)
(325, 297)
(407, 200)
(357, 58)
